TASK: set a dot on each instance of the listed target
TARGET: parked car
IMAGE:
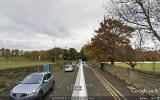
(33, 86)
(69, 68)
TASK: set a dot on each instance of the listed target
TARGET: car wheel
(53, 86)
(40, 95)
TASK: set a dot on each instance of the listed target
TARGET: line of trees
(54, 54)
(7, 52)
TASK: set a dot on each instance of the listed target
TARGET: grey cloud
(48, 20)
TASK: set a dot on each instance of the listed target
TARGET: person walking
(102, 66)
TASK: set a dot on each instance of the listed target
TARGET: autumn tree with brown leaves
(111, 33)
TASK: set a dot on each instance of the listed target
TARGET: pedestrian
(102, 66)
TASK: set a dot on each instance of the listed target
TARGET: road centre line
(80, 92)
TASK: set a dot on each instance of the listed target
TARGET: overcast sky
(44, 24)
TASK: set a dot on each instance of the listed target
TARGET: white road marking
(79, 92)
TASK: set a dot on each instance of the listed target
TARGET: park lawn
(14, 59)
(21, 64)
(142, 66)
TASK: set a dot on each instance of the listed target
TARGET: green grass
(21, 64)
(14, 59)
(19, 59)
(142, 66)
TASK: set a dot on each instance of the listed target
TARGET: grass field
(14, 59)
(20, 64)
(142, 66)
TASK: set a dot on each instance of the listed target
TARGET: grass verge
(142, 66)
(7, 65)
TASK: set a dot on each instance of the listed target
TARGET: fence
(10, 77)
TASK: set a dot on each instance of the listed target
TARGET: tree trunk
(133, 66)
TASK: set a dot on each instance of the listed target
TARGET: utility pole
(62, 56)
(39, 58)
(3, 59)
(55, 55)
(66, 51)
(9, 58)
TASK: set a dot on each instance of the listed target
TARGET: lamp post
(66, 49)
(55, 55)
(9, 58)
(62, 56)
(39, 58)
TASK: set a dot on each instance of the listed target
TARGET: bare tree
(144, 15)
(127, 55)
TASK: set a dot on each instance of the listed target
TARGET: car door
(49, 80)
(45, 85)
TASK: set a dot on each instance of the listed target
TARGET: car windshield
(68, 66)
(32, 79)
(73, 63)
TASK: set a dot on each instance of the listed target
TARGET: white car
(69, 68)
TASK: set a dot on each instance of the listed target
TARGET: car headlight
(32, 93)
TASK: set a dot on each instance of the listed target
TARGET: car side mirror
(20, 82)
(45, 81)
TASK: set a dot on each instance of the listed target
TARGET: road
(99, 86)
(93, 85)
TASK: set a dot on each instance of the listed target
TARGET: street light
(55, 55)
(62, 56)
(39, 58)
(66, 49)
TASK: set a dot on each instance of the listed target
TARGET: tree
(111, 33)
(91, 54)
(3, 52)
(15, 52)
(81, 55)
(144, 15)
(44, 55)
(73, 54)
(65, 54)
(7, 53)
(128, 55)
(55, 54)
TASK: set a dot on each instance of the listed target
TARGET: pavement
(99, 85)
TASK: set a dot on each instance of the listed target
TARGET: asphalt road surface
(99, 86)
(92, 83)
